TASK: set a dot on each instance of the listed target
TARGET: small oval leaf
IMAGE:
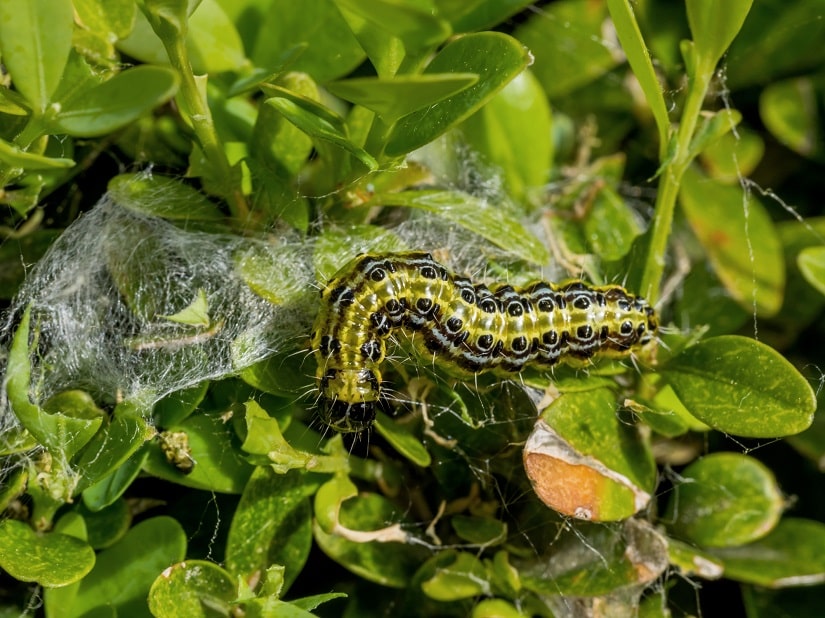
(724, 499)
(741, 386)
(195, 588)
(811, 262)
(495, 57)
(51, 560)
(750, 265)
(124, 572)
(35, 42)
(282, 501)
(117, 102)
(792, 555)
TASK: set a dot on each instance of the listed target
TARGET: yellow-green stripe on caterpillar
(465, 324)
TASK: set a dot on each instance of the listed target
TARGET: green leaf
(802, 304)
(811, 262)
(116, 102)
(13, 104)
(722, 316)
(496, 608)
(168, 17)
(389, 563)
(314, 120)
(110, 19)
(35, 41)
(638, 56)
(279, 151)
(584, 462)
(61, 434)
(673, 418)
(472, 15)
(328, 500)
(282, 501)
(741, 386)
(581, 59)
(16, 255)
(179, 202)
(667, 422)
(124, 572)
(275, 273)
(113, 444)
(331, 48)
(789, 110)
(213, 42)
(504, 575)
(402, 440)
(462, 578)
(273, 583)
(392, 98)
(74, 403)
(336, 248)
(733, 155)
(212, 445)
(111, 487)
(175, 407)
(792, 555)
(195, 588)
(102, 23)
(514, 133)
(278, 375)
(740, 240)
(194, 314)
(476, 215)
(50, 560)
(276, 196)
(714, 25)
(14, 485)
(414, 24)
(786, 36)
(13, 156)
(392, 32)
(724, 500)
(712, 128)
(283, 148)
(481, 531)
(693, 561)
(598, 560)
(610, 226)
(106, 526)
(496, 58)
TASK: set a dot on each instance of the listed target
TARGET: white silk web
(128, 305)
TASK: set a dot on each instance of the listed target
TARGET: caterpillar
(465, 324)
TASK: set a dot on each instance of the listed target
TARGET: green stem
(195, 105)
(377, 138)
(33, 130)
(669, 185)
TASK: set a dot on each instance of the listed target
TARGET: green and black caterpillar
(465, 324)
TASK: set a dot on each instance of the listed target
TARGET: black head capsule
(349, 398)
(345, 417)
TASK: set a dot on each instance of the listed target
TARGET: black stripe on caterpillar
(465, 324)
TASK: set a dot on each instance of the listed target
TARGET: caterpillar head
(349, 398)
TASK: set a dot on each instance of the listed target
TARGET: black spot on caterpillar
(465, 324)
